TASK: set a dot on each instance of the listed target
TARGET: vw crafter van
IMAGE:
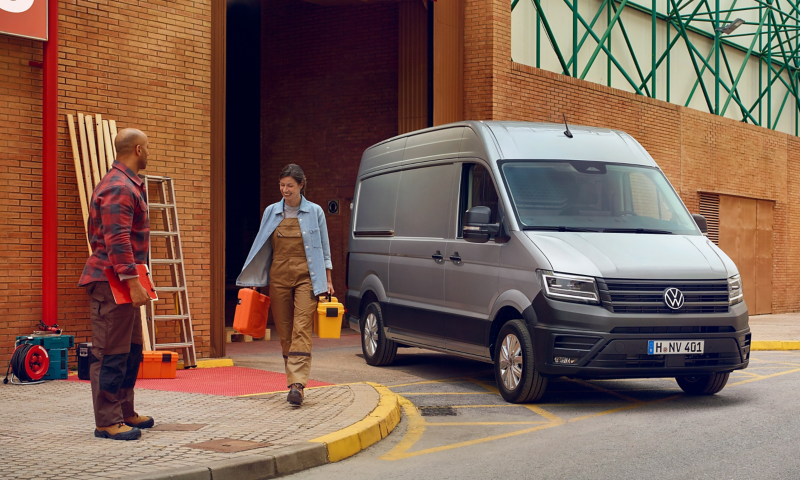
(543, 251)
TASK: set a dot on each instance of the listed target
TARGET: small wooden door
(745, 235)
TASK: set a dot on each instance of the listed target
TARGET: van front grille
(647, 296)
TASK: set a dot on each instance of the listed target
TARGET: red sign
(24, 18)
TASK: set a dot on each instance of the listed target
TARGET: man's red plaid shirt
(119, 229)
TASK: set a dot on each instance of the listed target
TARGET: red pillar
(50, 170)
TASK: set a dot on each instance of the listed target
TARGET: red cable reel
(29, 363)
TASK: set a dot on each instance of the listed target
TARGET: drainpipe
(50, 170)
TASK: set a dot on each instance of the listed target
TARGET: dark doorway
(242, 147)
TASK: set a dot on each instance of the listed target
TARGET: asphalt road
(455, 424)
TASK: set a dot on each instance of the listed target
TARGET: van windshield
(594, 196)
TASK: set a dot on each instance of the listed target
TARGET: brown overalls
(292, 299)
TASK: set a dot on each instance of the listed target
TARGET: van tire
(377, 349)
(703, 384)
(530, 386)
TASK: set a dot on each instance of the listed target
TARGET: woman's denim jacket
(255, 272)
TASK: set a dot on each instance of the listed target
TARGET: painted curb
(211, 363)
(774, 345)
(319, 451)
(375, 427)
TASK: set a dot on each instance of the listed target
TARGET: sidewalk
(784, 326)
(46, 431)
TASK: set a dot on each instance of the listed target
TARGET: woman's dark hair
(293, 170)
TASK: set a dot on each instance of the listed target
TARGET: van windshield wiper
(563, 229)
(637, 230)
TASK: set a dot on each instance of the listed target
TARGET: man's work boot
(295, 396)
(119, 431)
(139, 421)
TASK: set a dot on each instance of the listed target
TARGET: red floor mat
(225, 381)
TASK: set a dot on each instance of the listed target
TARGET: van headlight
(572, 288)
(735, 294)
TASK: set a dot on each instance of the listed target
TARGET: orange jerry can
(159, 364)
(328, 318)
(251, 313)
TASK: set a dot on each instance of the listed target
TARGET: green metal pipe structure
(773, 44)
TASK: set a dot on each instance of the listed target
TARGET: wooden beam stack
(93, 156)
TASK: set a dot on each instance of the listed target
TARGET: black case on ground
(84, 353)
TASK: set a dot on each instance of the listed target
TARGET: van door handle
(456, 258)
(438, 256)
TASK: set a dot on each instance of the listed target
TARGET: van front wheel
(514, 368)
(703, 384)
(378, 350)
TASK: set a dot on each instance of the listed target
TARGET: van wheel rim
(371, 334)
(511, 361)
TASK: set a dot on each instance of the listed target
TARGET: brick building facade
(329, 89)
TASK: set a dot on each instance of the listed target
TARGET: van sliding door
(416, 265)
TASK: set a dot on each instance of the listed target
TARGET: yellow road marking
(470, 424)
(417, 424)
(444, 380)
(626, 407)
(763, 377)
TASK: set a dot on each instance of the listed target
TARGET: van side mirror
(701, 222)
(478, 226)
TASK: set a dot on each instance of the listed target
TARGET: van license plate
(674, 347)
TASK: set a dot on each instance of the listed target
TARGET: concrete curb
(774, 345)
(319, 451)
(375, 427)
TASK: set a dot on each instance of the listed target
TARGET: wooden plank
(747, 250)
(109, 148)
(79, 174)
(146, 346)
(98, 171)
(87, 171)
(101, 146)
(764, 254)
(113, 125)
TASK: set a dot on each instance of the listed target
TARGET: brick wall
(697, 151)
(145, 64)
(329, 91)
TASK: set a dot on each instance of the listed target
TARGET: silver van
(543, 250)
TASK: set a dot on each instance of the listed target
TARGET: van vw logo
(673, 298)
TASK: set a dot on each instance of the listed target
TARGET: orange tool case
(251, 313)
(328, 318)
(158, 364)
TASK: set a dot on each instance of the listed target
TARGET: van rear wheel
(378, 350)
(514, 367)
(703, 384)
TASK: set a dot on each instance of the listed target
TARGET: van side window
(477, 190)
(423, 201)
(377, 199)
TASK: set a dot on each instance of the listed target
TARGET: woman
(291, 254)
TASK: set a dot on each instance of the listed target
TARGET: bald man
(119, 233)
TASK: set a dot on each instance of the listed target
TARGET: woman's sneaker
(295, 396)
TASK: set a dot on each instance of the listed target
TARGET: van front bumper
(609, 345)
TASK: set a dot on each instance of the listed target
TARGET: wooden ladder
(171, 234)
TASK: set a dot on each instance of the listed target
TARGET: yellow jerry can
(328, 318)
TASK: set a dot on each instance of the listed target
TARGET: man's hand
(138, 293)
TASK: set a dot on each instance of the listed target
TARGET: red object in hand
(121, 290)
(251, 313)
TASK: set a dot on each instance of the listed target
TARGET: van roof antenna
(566, 132)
